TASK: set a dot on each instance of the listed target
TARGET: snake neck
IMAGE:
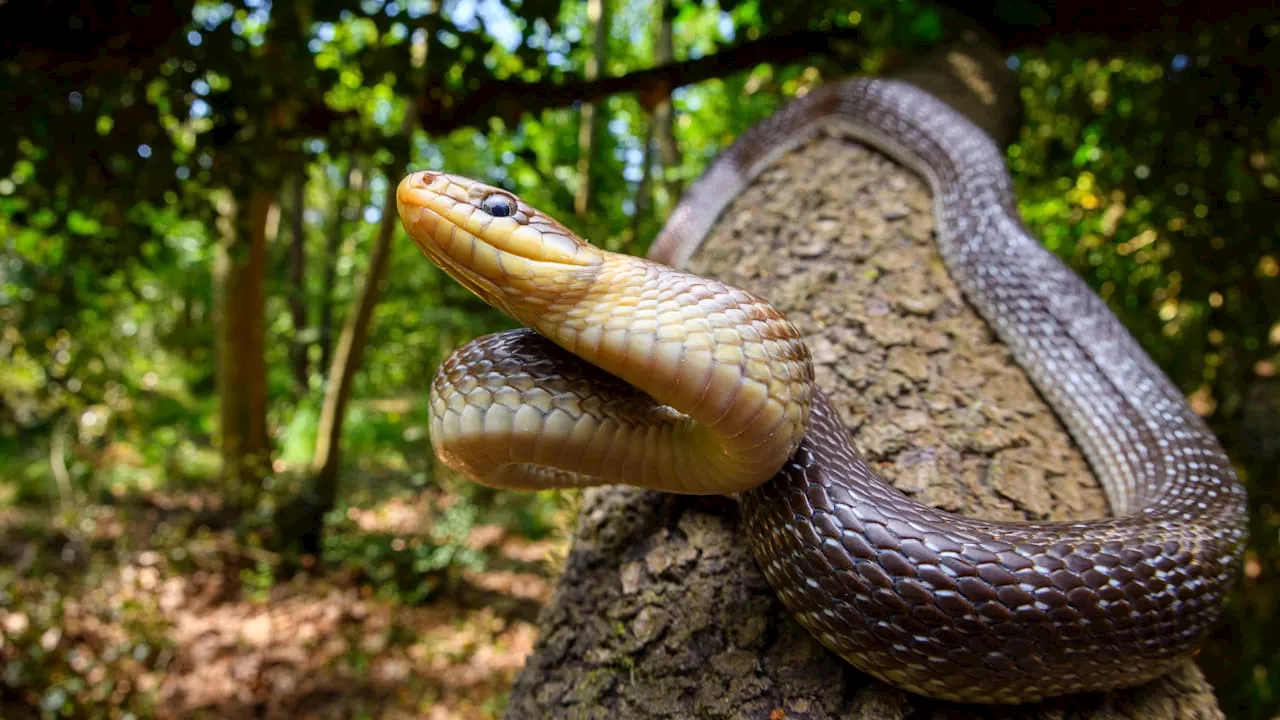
(734, 370)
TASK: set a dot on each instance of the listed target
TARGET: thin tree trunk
(650, 103)
(346, 199)
(644, 190)
(298, 284)
(239, 279)
(588, 120)
(326, 463)
(662, 611)
(664, 128)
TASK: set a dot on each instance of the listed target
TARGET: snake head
(491, 241)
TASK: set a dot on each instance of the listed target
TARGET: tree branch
(510, 99)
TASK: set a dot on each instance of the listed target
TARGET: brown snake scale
(933, 602)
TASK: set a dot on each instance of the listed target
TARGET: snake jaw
(427, 230)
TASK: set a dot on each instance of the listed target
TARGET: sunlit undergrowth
(149, 608)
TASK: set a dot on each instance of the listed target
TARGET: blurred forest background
(216, 492)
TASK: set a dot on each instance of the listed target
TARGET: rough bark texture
(662, 611)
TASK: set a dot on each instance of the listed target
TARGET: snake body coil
(936, 603)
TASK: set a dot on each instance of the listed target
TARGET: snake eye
(498, 205)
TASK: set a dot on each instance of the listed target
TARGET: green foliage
(1158, 207)
(412, 566)
(1154, 175)
(259, 579)
(65, 656)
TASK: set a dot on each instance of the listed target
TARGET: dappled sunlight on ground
(312, 650)
(197, 630)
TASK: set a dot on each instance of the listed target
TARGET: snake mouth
(450, 248)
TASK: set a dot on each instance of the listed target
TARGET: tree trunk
(664, 126)
(326, 463)
(239, 280)
(662, 611)
(347, 356)
(644, 190)
(588, 118)
(345, 198)
(657, 130)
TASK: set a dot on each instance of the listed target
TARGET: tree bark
(239, 280)
(662, 611)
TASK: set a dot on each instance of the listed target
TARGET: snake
(631, 370)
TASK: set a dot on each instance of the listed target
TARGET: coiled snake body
(694, 386)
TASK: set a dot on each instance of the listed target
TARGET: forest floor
(128, 612)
